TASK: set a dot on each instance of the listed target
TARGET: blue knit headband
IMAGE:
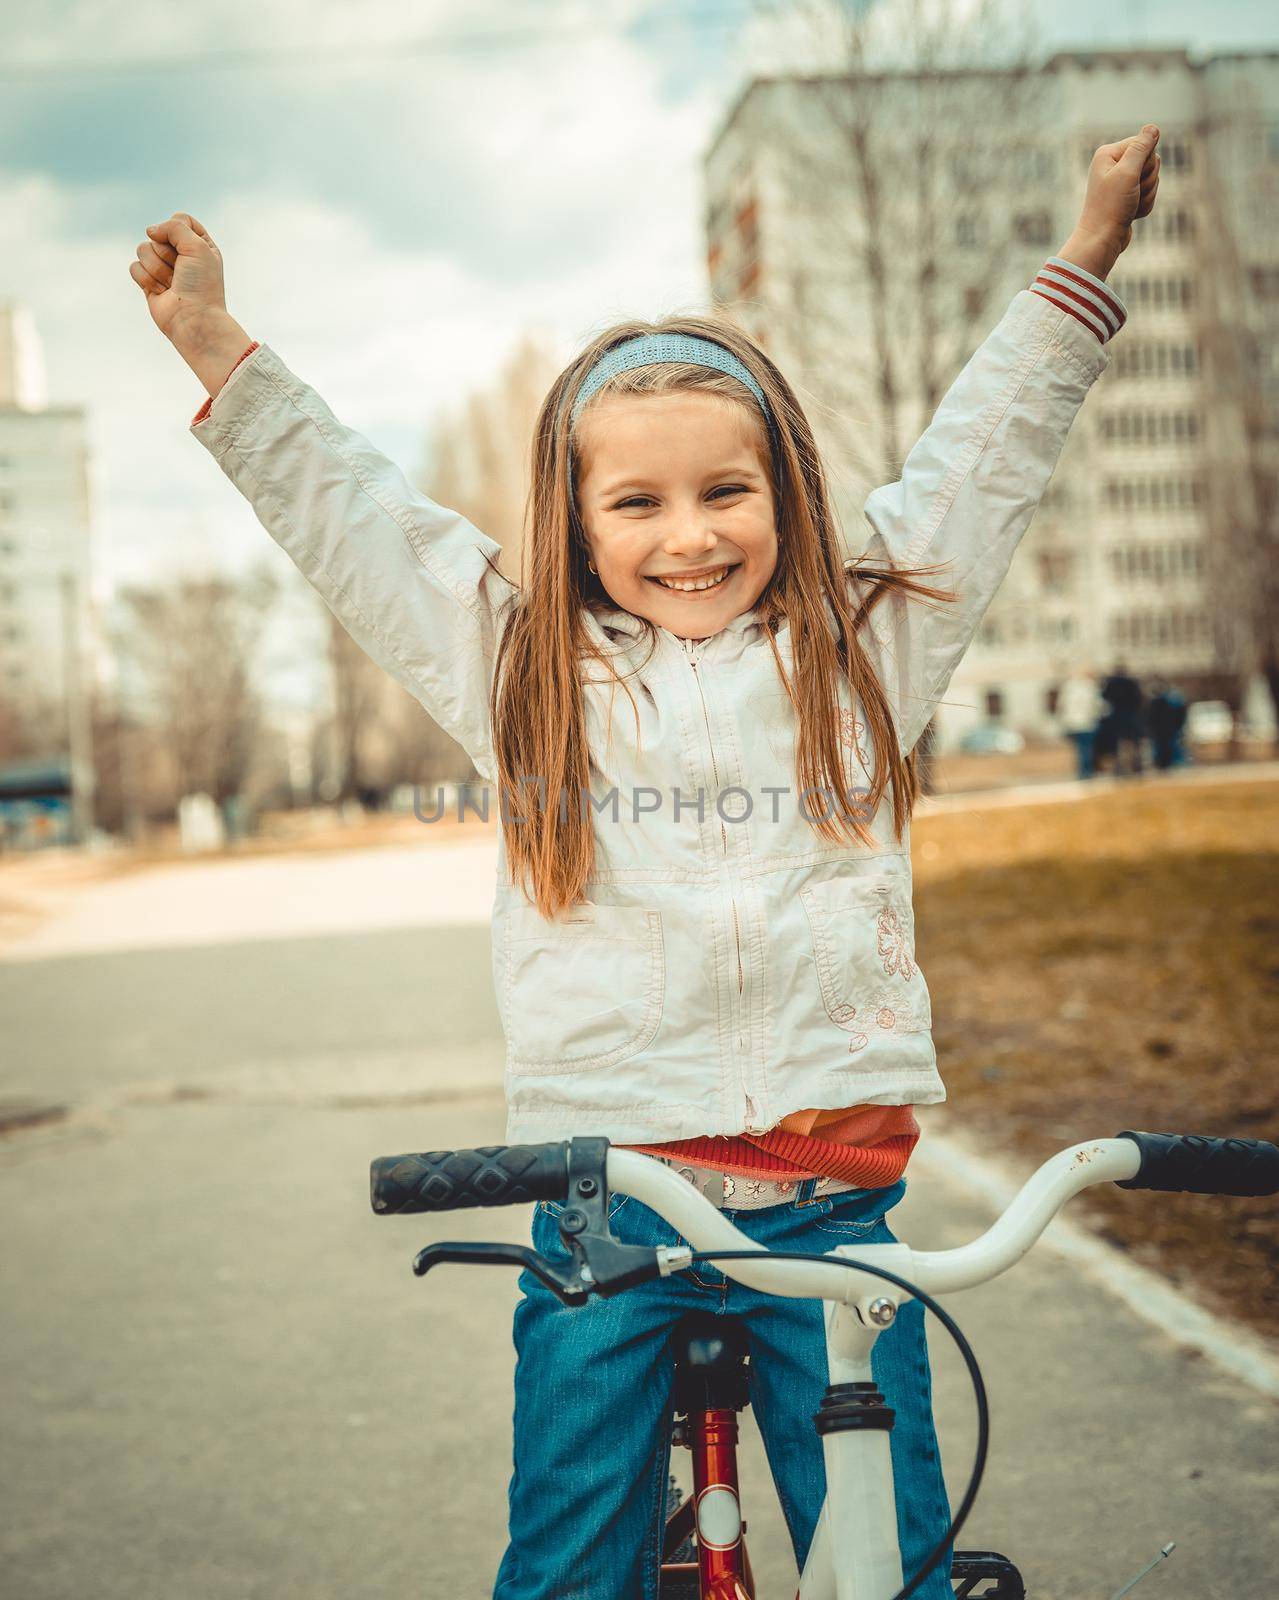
(650, 349)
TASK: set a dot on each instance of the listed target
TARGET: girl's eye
(724, 488)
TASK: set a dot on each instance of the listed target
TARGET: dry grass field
(1114, 963)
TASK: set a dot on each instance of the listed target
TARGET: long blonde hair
(536, 706)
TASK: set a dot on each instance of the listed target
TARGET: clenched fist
(179, 269)
(1122, 181)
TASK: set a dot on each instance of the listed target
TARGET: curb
(1057, 792)
(1249, 1357)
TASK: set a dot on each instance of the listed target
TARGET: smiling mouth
(695, 583)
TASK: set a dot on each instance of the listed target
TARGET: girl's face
(675, 488)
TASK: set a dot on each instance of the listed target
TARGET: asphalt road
(222, 1379)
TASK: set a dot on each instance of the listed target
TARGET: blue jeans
(593, 1392)
(1083, 740)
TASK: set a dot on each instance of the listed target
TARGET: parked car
(991, 739)
(1207, 722)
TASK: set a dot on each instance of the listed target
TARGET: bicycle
(854, 1553)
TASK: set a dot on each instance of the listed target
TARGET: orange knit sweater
(865, 1145)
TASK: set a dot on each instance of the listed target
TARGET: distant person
(1079, 709)
(1122, 693)
(1166, 719)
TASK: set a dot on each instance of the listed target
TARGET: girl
(702, 726)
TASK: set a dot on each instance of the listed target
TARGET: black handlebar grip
(1194, 1164)
(451, 1180)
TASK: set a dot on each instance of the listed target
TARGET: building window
(1161, 294)
(1051, 697)
(1035, 227)
(967, 231)
(1056, 495)
(1145, 360)
(1150, 427)
(1177, 154)
(994, 703)
(1054, 570)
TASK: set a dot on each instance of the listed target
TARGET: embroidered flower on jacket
(753, 1186)
(893, 947)
(886, 1017)
(851, 731)
(842, 1013)
(730, 1188)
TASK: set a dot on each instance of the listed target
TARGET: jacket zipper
(723, 834)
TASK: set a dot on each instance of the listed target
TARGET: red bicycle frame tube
(724, 1571)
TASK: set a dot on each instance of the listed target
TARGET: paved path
(222, 1379)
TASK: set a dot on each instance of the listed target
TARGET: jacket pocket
(583, 993)
(863, 932)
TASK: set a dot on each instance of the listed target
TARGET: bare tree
(378, 735)
(191, 645)
(912, 161)
(1237, 242)
(480, 456)
(359, 688)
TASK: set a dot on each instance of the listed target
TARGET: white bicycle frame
(855, 1554)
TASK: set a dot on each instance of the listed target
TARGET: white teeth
(708, 582)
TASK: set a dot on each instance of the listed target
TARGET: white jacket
(724, 972)
(1079, 703)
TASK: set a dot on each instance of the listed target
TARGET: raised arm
(970, 486)
(410, 580)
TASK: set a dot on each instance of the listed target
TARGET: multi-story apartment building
(45, 599)
(868, 230)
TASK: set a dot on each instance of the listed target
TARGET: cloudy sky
(400, 190)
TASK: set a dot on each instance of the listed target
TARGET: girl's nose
(690, 537)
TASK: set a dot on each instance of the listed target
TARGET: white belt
(734, 1192)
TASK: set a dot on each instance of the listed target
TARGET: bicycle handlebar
(451, 1180)
(1189, 1163)
(492, 1175)
(513, 1174)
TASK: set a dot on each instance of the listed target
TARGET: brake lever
(599, 1264)
(602, 1264)
(562, 1281)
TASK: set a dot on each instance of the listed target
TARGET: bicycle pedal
(973, 1572)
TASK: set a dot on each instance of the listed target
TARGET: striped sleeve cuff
(204, 410)
(1084, 297)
